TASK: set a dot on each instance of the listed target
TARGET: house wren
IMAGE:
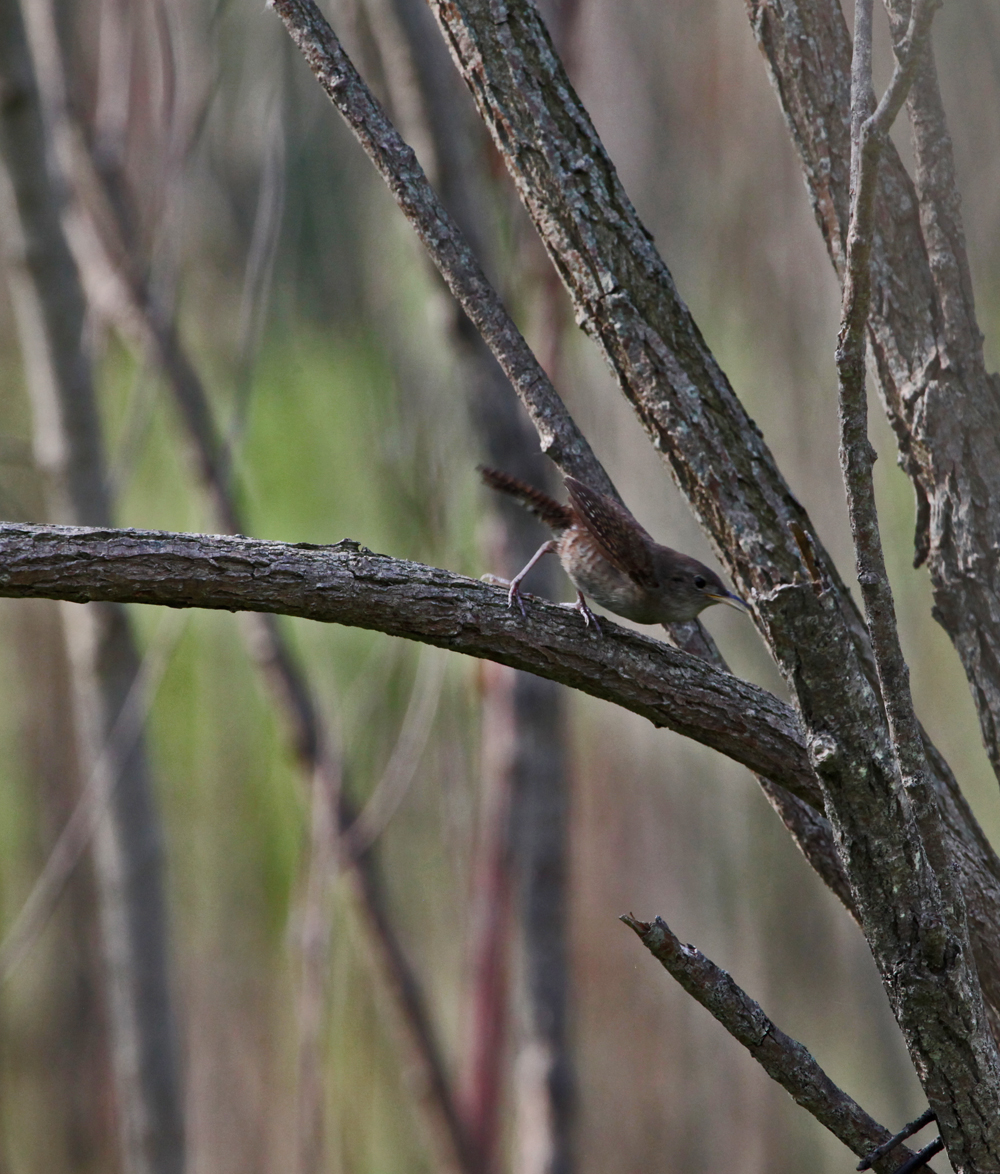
(611, 558)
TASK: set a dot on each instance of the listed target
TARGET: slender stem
(784, 1059)
(909, 1130)
(868, 134)
(922, 1157)
(943, 918)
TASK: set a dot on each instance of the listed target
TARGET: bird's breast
(603, 582)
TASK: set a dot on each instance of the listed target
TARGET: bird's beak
(732, 600)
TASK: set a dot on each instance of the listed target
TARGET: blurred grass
(355, 429)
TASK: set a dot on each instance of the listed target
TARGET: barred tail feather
(557, 517)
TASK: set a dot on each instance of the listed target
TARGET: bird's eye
(700, 581)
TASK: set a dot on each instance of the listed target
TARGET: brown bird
(611, 558)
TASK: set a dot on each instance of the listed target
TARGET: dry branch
(784, 1059)
(348, 584)
(927, 346)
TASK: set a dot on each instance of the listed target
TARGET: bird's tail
(557, 517)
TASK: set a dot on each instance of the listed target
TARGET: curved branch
(348, 584)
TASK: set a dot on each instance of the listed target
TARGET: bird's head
(687, 586)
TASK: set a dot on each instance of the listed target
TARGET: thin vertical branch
(487, 1015)
(943, 920)
(314, 962)
(104, 662)
(869, 130)
(78, 830)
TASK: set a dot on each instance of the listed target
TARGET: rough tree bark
(626, 300)
(943, 405)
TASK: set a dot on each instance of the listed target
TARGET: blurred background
(346, 394)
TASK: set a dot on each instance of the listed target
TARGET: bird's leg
(588, 616)
(515, 583)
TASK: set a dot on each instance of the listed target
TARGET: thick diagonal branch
(626, 299)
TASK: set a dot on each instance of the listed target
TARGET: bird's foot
(513, 589)
(515, 594)
(588, 616)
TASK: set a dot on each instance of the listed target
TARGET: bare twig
(922, 1157)
(391, 788)
(784, 1059)
(869, 131)
(491, 922)
(907, 1131)
(255, 296)
(314, 960)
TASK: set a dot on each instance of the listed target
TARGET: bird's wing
(625, 544)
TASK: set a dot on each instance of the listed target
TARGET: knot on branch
(824, 751)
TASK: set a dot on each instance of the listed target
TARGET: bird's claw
(515, 594)
(588, 616)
